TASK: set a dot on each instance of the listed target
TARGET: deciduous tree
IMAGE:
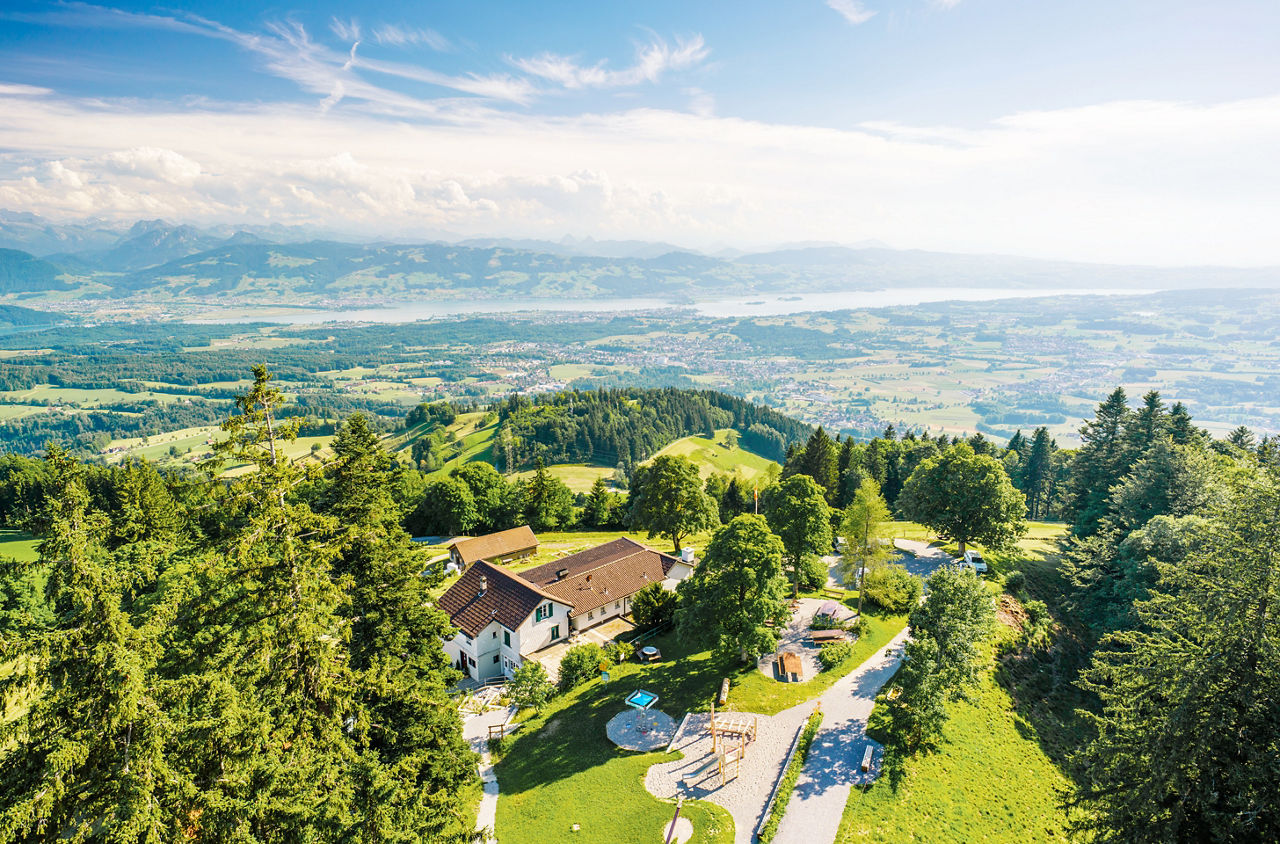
(736, 591)
(966, 497)
(798, 513)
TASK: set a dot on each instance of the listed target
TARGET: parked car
(974, 560)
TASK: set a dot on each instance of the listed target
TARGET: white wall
(534, 636)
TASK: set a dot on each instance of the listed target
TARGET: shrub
(834, 654)
(530, 687)
(580, 664)
(653, 605)
(618, 652)
(1015, 582)
(813, 573)
(892, 588)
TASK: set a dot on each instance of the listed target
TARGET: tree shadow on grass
(570, 736)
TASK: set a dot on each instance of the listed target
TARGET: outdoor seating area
(648, 653)
(798, 639)
(789, 667)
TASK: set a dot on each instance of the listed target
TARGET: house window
(617, 605)
(471, 662)
(506, 638)
(466, 638)
(555, 632)
(495, 635)
(543, 612)
(591, 615)
(495, 659)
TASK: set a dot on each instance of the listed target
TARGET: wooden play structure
(732, 726)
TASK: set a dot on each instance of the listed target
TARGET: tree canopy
(736, 590)
(967, 497)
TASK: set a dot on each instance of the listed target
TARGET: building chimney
(484, 585)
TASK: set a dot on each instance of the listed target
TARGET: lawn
(753, 692)
(713, 456)
(989, 780)
(19, 545)
(579, 477)
(560, 769)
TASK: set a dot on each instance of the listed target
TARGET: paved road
(835, 758)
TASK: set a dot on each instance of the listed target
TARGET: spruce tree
(89, 755)
(1101, 461)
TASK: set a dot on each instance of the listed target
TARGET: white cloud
(347, 30)
(407, 36)
(1161, 182)
(163, 165)
(853, 11)
(16, 90)
(652, 61)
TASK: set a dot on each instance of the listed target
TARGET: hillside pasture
(711, 456)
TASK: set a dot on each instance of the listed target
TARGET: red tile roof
(599, 576)
(507, 598)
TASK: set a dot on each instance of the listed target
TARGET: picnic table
(648, 653)
(820, 636)
(789, 666)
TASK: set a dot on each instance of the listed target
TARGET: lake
(757, 305)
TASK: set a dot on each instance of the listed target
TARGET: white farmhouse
(503, 617)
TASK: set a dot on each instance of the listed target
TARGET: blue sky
(1117, 131)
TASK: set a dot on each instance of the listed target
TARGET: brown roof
(493, 545)
(601, 575)
(507, 598)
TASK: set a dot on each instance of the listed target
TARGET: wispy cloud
(652, 61)
(853, 11)
(347, 30)
(396, 35)
(17, 90)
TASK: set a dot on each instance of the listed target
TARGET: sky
(1124, 131)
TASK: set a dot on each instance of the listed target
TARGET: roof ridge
(530, 585)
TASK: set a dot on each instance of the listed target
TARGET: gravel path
(744, 796)
(835, 758)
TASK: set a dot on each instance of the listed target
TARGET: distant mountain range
(156, 261)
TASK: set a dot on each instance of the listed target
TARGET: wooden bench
(866, 758)
(820, 636)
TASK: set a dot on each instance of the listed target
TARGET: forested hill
(627, 426)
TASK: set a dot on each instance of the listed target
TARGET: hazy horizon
(1142, 134)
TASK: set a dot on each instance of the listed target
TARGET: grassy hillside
(991, 778)
(989, 781)
(715, 456)
(475, 441)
